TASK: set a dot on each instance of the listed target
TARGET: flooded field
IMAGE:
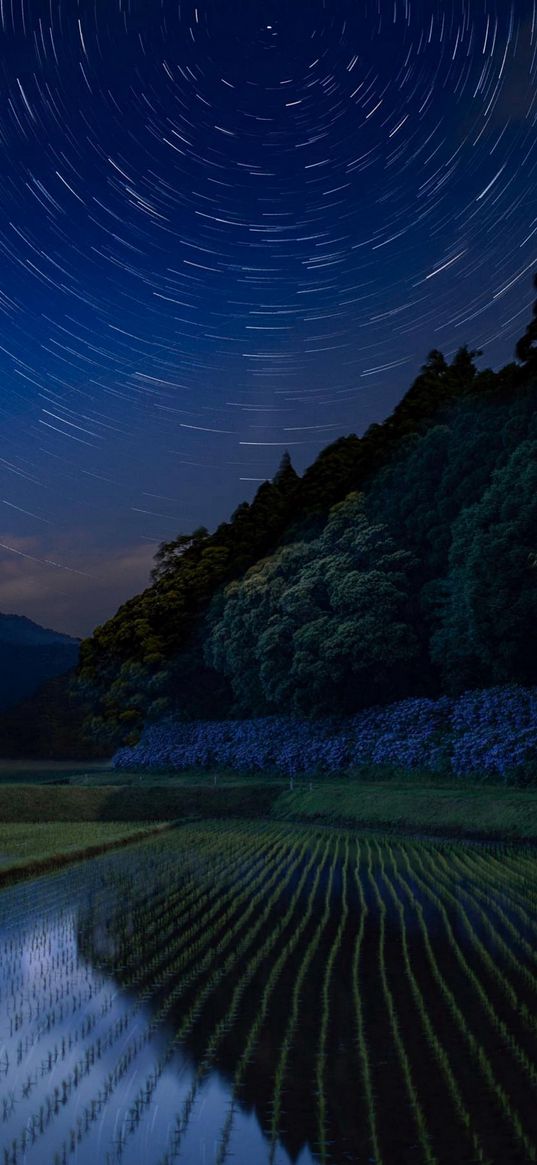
(271, 993)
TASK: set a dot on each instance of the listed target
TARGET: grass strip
(33, 866)
(456, 810)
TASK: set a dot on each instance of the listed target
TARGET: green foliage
(163, 629)
(319, 634)
(320, 625)
(488, 631)
(434, 479)
(51, 724)
(168, 552)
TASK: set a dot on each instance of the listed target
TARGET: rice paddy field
(260, 991)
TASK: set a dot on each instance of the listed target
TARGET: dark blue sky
(230, 229)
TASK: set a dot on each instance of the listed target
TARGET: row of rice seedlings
(363, 1050)
(174, 896)
(132, 877)
(43, 936)
(145, 1093)
(33, 901)
(194, 938)
(52, 991)
(226, 1022)
(199, 915)
(501, 980)
(281, 1067)
(57, 1051)
(460, 1018)
(419, 1116)
(437, 1048)
(506, 909)
(20, 1002)
(44, 1014)
(84, 1065)
(515, 869)
(318, 861)
(475, 896)
(478, 878)
(180, 884)
(221, 851)
(42, 1008)
(195, 918)
(320, 1063)
(503, 883)
(62, 1048)
(37, 900)
(254, 896)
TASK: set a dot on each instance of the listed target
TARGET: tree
(286, 476)
(169, 552)
(319, 626)
(462, 370)
(526, 349)
(488, 631)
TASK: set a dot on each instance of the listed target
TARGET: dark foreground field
(268, 992)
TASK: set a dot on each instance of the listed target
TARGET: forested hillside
(403, 563)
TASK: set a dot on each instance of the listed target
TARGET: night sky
(232, 229)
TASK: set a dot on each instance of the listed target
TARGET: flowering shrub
(490, 733)
(494, 732)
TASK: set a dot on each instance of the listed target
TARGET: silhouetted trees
(429, 583)
(526, 349)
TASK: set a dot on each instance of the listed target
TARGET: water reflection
(65, 1026)
(121, 1031)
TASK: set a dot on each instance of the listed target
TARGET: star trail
(228, 229)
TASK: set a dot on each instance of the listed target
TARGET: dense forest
(403, 563)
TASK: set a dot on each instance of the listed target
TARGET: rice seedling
(318, 858)
(435, 1044)
(283, 1059)
(363, 998)
(320, 1065)
(421, 1123)
(501, 980)
(475, 1045)
(359, 1018)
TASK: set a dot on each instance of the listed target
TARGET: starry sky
(231, 229)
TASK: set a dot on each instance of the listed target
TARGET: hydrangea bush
(490, 733)
(494, 733)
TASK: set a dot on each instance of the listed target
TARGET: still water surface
(54, 1006)
(401, 976)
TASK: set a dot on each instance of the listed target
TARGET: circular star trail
(231, 229)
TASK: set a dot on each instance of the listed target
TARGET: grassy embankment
(490, 811)
(32, 848)
(45, 826)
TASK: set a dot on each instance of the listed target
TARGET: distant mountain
(29, 655)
